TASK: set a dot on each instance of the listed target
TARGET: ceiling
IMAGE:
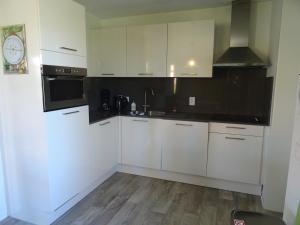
(119, 8)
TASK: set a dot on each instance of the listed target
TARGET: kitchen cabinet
(240, 129)
(235, 157)
(104, 146)
(64, 31)
(184, 147)
(107, 52)
(147, 50)
(68, 155)
(190, 49)
(141, 142)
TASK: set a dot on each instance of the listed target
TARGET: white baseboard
(190, 179)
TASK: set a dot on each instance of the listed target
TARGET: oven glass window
(62, 90)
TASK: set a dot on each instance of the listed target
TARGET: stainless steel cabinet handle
(103, 124)
(184, 125)
(69, 49)
(145, 74)
(239, 128)
(68, 113)
(189, 74)
(145, 121)
(233, 138)
(50, 79)
(107, 74)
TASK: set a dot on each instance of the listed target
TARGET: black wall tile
(233, 92)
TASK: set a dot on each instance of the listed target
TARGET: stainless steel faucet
(145, 99)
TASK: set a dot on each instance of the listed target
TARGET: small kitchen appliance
(63, 87)
(105, 99)
(120, 103)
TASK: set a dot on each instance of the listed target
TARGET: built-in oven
(63, 87)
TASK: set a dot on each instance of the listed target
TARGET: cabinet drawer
(234, 157)
(241, 129)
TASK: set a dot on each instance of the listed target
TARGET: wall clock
(14, 50)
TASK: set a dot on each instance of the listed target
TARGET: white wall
(3, 207)
(3, 202)
(260, 28)
(22, 114)
(279, 135)
(292, 199)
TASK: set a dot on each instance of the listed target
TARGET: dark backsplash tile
(231, 92)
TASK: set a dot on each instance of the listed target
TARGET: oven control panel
(62, 71)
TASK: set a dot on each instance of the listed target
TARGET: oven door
(63, 92)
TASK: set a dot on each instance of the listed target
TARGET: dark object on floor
(253, 218)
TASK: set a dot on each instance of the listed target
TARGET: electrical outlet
(192, 101)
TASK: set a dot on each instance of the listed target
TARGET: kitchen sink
(156, 113)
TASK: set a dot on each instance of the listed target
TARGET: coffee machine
(120, 103)
(105, 100)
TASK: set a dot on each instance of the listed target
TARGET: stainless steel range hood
(239, 54)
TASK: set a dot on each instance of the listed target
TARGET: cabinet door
(69, 162)
(185, 147)
(107, 52)
(190, 49)
(147, 50)
(141, 142)
(234, 157)
(104, 146)
(62, 25)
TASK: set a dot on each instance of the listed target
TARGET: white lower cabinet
(69, 166)
(185, 147)
(141, 142)
(104, 147)
(235, 157)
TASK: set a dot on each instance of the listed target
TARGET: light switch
(192, 101)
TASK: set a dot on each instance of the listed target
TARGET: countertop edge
(180, 119)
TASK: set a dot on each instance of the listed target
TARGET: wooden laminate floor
(134, 200)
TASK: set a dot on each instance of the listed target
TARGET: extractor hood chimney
(239, 54)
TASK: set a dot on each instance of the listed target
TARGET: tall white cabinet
(190, 48)
(63, 33)
(68, 155)
(147, 50)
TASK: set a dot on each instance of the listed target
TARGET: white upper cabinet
(190, 49)
(147, 50)
(62, 26)
(185, 147)
(107, 52)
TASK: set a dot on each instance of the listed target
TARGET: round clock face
(13, 49)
